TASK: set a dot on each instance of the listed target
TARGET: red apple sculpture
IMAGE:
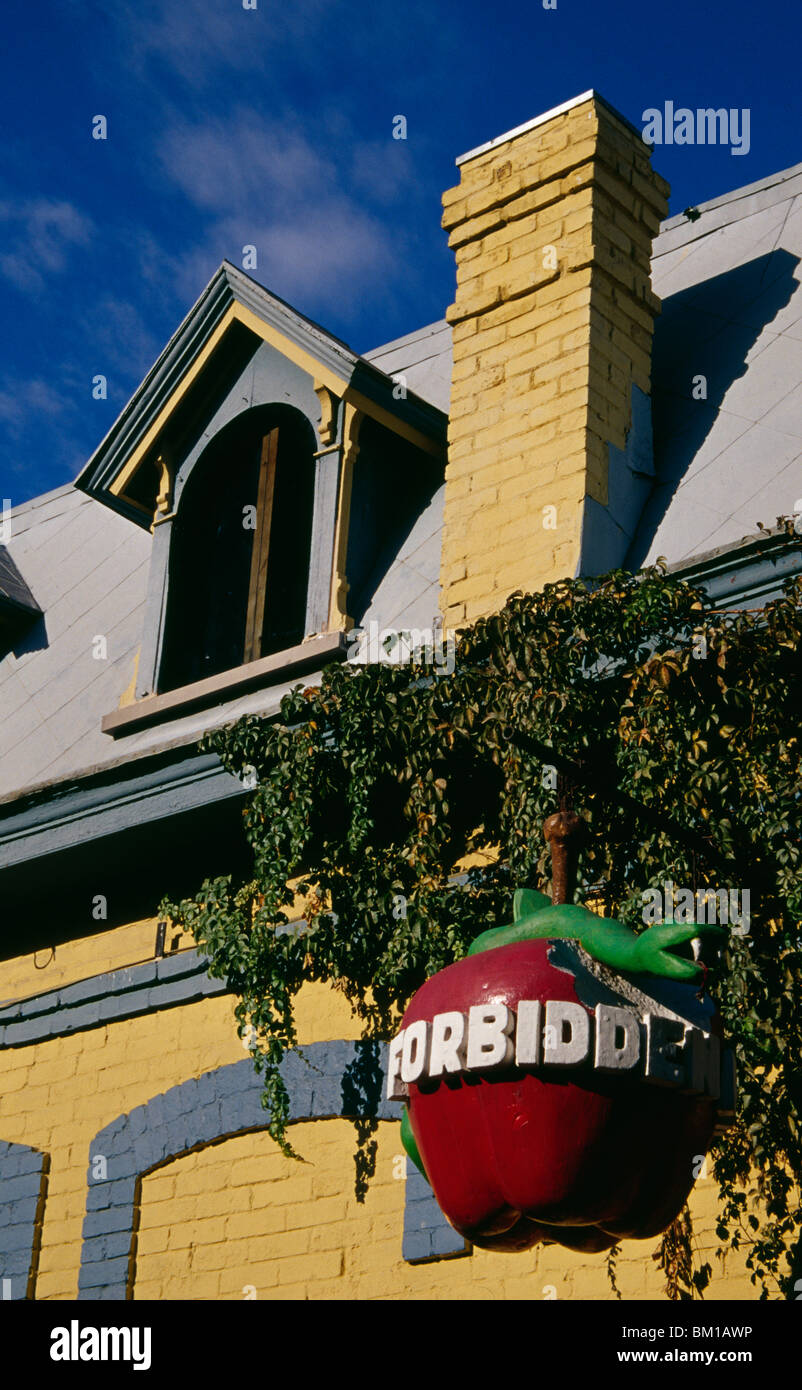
(553, 1094)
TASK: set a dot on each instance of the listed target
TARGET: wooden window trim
(257, 585)
(309, 655)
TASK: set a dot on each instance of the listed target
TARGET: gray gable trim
(23, 1191)
(70, 816)
(360, 374)
(305, 333)
(227, 286)
(330, 1080)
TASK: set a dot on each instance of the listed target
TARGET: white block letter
(527, 1033)
(662, 1034)
(489, 1036)
(396, 1090)
(617, 1038)
(447, 1052)
(567, 1033)
(413, 1053)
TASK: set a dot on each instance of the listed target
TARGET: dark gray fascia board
(305, 333)
(374, 384)
(229, 284)
(78, 812)
(133, 421)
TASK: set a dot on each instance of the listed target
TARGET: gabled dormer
(18, 607)
(276, 470)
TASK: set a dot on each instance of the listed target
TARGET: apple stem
(562, 832)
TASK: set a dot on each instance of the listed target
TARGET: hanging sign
(551, 1095)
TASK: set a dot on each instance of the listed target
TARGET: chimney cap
(540, 120)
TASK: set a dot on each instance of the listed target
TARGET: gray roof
(89, 569)
(732, 312)
(424, 359)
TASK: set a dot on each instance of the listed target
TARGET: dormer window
(18, 607)
(244, 453)
(240, 548)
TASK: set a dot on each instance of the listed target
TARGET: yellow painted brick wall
(48, 968)
(56, 1095)
(237, 1219)
(552, 326)
(240, 1221)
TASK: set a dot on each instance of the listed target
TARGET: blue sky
(273, 127)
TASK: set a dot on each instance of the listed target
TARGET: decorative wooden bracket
(328, 415)
(164, 498)
(339, 620)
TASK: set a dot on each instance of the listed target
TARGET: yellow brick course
(76, 960)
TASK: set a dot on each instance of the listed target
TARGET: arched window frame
(320, 402)
(240, 548)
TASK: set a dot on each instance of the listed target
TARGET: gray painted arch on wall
(23, 1189)
(332, 1080)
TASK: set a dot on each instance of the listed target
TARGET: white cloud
(323, 255)
(244, 161)
(42, 233)
(197, 39)
(302, 200)
(119, 339)
(27, 397)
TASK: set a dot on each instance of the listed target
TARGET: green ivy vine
(677, 727)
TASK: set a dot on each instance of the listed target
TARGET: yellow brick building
(265, 492)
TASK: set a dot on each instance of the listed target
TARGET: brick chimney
(549, 456)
